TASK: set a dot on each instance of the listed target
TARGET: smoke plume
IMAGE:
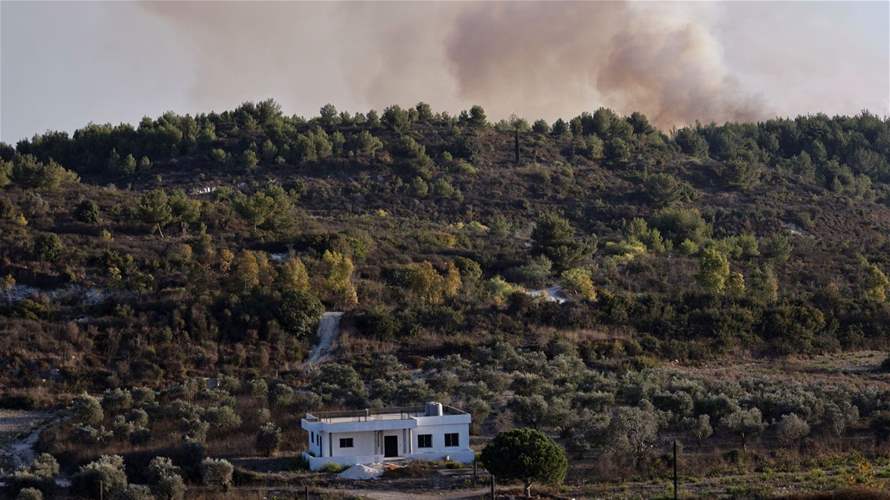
(534, 59)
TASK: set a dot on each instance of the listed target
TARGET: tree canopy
(527, 455)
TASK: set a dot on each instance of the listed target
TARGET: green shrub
(38, 476)
(194, 429)
(29, 494)
(378, 322)
(103, 477)
(92, 435)
(527, 455)
(44, 466)
(268, 439)
(138, 417)
(258, 388)
(165, 479)
(47, 247)
(140, 436)
(87, 212)
(30, 173)
(134, 492)
(333, 468)
(217, 473)
(222, 418)
(87, 410)
(117, 400)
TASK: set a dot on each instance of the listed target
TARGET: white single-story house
(429, 432)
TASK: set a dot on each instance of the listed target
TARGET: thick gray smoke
(534, 59)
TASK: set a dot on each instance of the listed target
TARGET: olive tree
(745, 424)
(268, 439)
(165, 479)
(791, 429)
(217, 473)
(633, 431)
(101, 478)
(87, 410)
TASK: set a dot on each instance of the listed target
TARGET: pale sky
(64, 64)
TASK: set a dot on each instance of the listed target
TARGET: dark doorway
(390, 446)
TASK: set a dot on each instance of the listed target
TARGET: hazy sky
(63, 64)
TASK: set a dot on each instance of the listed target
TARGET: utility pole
(516, 147)
(676, 490)
(492, 487)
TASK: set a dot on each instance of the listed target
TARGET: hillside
(209, 246)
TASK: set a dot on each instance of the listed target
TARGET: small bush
(47, 247)
(92, 435)
(217, 473)
(44, 466)
(133, 492)
(29, 494)
(413, 469)
(194, 429)
(87, 410)
(165, 480)
(87, 212)
(103, 477)
(222, 418)
(143, 395)
(138, 417)
(121, 427)
(140, 436)
(333, 468)
(258, 388)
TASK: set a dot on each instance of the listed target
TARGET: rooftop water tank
(434, 409)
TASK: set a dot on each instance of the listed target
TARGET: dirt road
(19, 430)
(328, 330)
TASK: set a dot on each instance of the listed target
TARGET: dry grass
(844, 493)
(855, 370)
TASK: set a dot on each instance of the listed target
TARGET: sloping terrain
(142, 262)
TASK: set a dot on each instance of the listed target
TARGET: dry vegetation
(726, 286)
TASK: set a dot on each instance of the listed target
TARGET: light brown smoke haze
(535, 59)
(557, 58)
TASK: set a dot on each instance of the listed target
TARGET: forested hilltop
(210, 245)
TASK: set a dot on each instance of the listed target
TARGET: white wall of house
(363, 443)
(368, 439)
(313, 448)
(438, 432)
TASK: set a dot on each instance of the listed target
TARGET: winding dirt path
(19, 431)
(328, 331)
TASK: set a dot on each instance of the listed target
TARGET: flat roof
(369, 414)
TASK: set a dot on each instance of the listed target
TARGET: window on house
(424, 440)
(312, 437)
(345, 442)
(452, 439)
